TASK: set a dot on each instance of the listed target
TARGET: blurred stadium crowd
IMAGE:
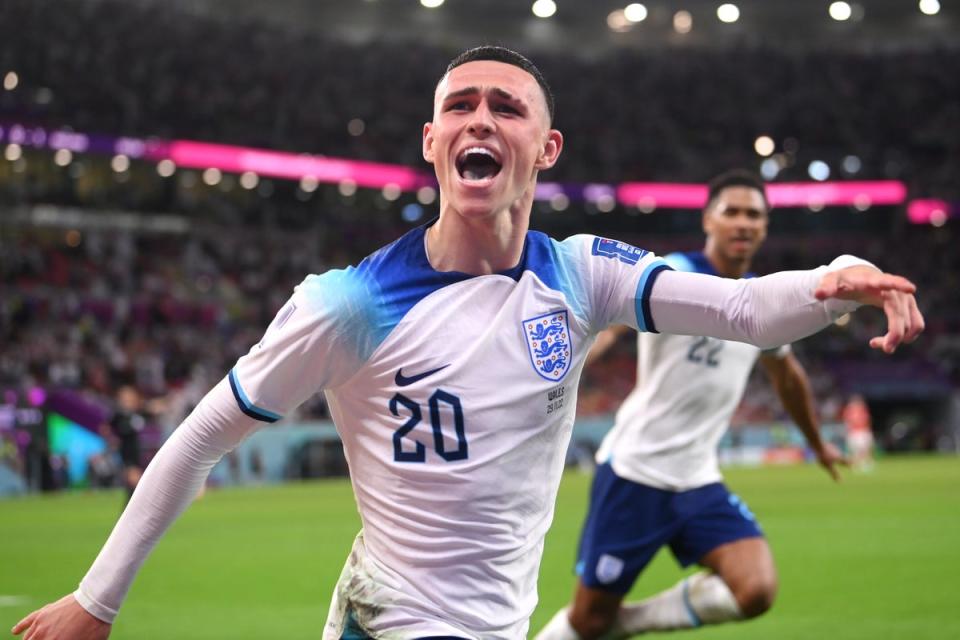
(81, 307)
(145, 69)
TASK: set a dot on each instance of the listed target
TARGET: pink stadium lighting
(800, 194)
(925, 211)
(663, 195)
(836, 194)
(36, 396)
(292, 166)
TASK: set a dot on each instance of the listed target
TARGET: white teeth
(481, 150)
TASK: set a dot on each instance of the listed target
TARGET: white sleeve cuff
(94, 608)
(837, 308)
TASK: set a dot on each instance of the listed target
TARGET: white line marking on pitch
(13, 601)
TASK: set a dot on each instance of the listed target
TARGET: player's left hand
(829, 457)
(892, 293)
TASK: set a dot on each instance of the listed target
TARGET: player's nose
(481, 120)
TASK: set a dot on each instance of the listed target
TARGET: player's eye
(506, 108)
(458, 106)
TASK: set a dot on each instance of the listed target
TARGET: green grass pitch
(876, 556)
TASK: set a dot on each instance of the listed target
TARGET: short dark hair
(507, 56)
(736, 178)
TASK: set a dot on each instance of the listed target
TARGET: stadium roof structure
(594, 26)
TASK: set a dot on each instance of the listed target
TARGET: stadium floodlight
(930, 7)
(559, 202)
(728, 13)
(769, 168)
(764, 145)
(818, 170)
(682, 22)
(426, 195)
(606, 203)
(62, 157)
(411, 212)
(309, 184)
(11, 80)
(166, 168)
(840, 11)
(635, 12)
(13, 152)
(391, 192)
(356, 127)
(431, 4)
(347, 188)
(617, 21)
(852, 164)
(249, 180)
(120, 163)
(212, 176)
(544, 8)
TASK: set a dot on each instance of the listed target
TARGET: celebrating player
(659, 482)
(450, 360)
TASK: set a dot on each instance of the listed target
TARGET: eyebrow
(500, 93)
(748, 209)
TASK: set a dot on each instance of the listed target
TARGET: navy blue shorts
(629, 522)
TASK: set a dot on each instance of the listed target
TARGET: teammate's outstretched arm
(786, 306)
(793, 387)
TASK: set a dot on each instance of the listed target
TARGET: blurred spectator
(856, 418)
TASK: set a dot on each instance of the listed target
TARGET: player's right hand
(892, 293)
(64, 619)
(829, 457)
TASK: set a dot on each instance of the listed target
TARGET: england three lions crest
(548, 343)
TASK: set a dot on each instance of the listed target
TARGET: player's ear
(428, 142)
(550, 151)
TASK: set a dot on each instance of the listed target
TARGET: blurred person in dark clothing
(125, 426)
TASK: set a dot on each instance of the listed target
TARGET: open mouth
(477, 164)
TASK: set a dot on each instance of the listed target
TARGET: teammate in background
(450, 359)
(658, 481)
(856, 418)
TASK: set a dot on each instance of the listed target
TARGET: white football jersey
(455, 397)
(667, 430)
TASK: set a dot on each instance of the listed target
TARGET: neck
(478, 245)
(724, 266)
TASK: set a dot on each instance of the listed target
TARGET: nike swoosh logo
(403, 381)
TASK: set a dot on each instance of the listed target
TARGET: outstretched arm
(784, 307)
(169, 484)
(793, 387)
